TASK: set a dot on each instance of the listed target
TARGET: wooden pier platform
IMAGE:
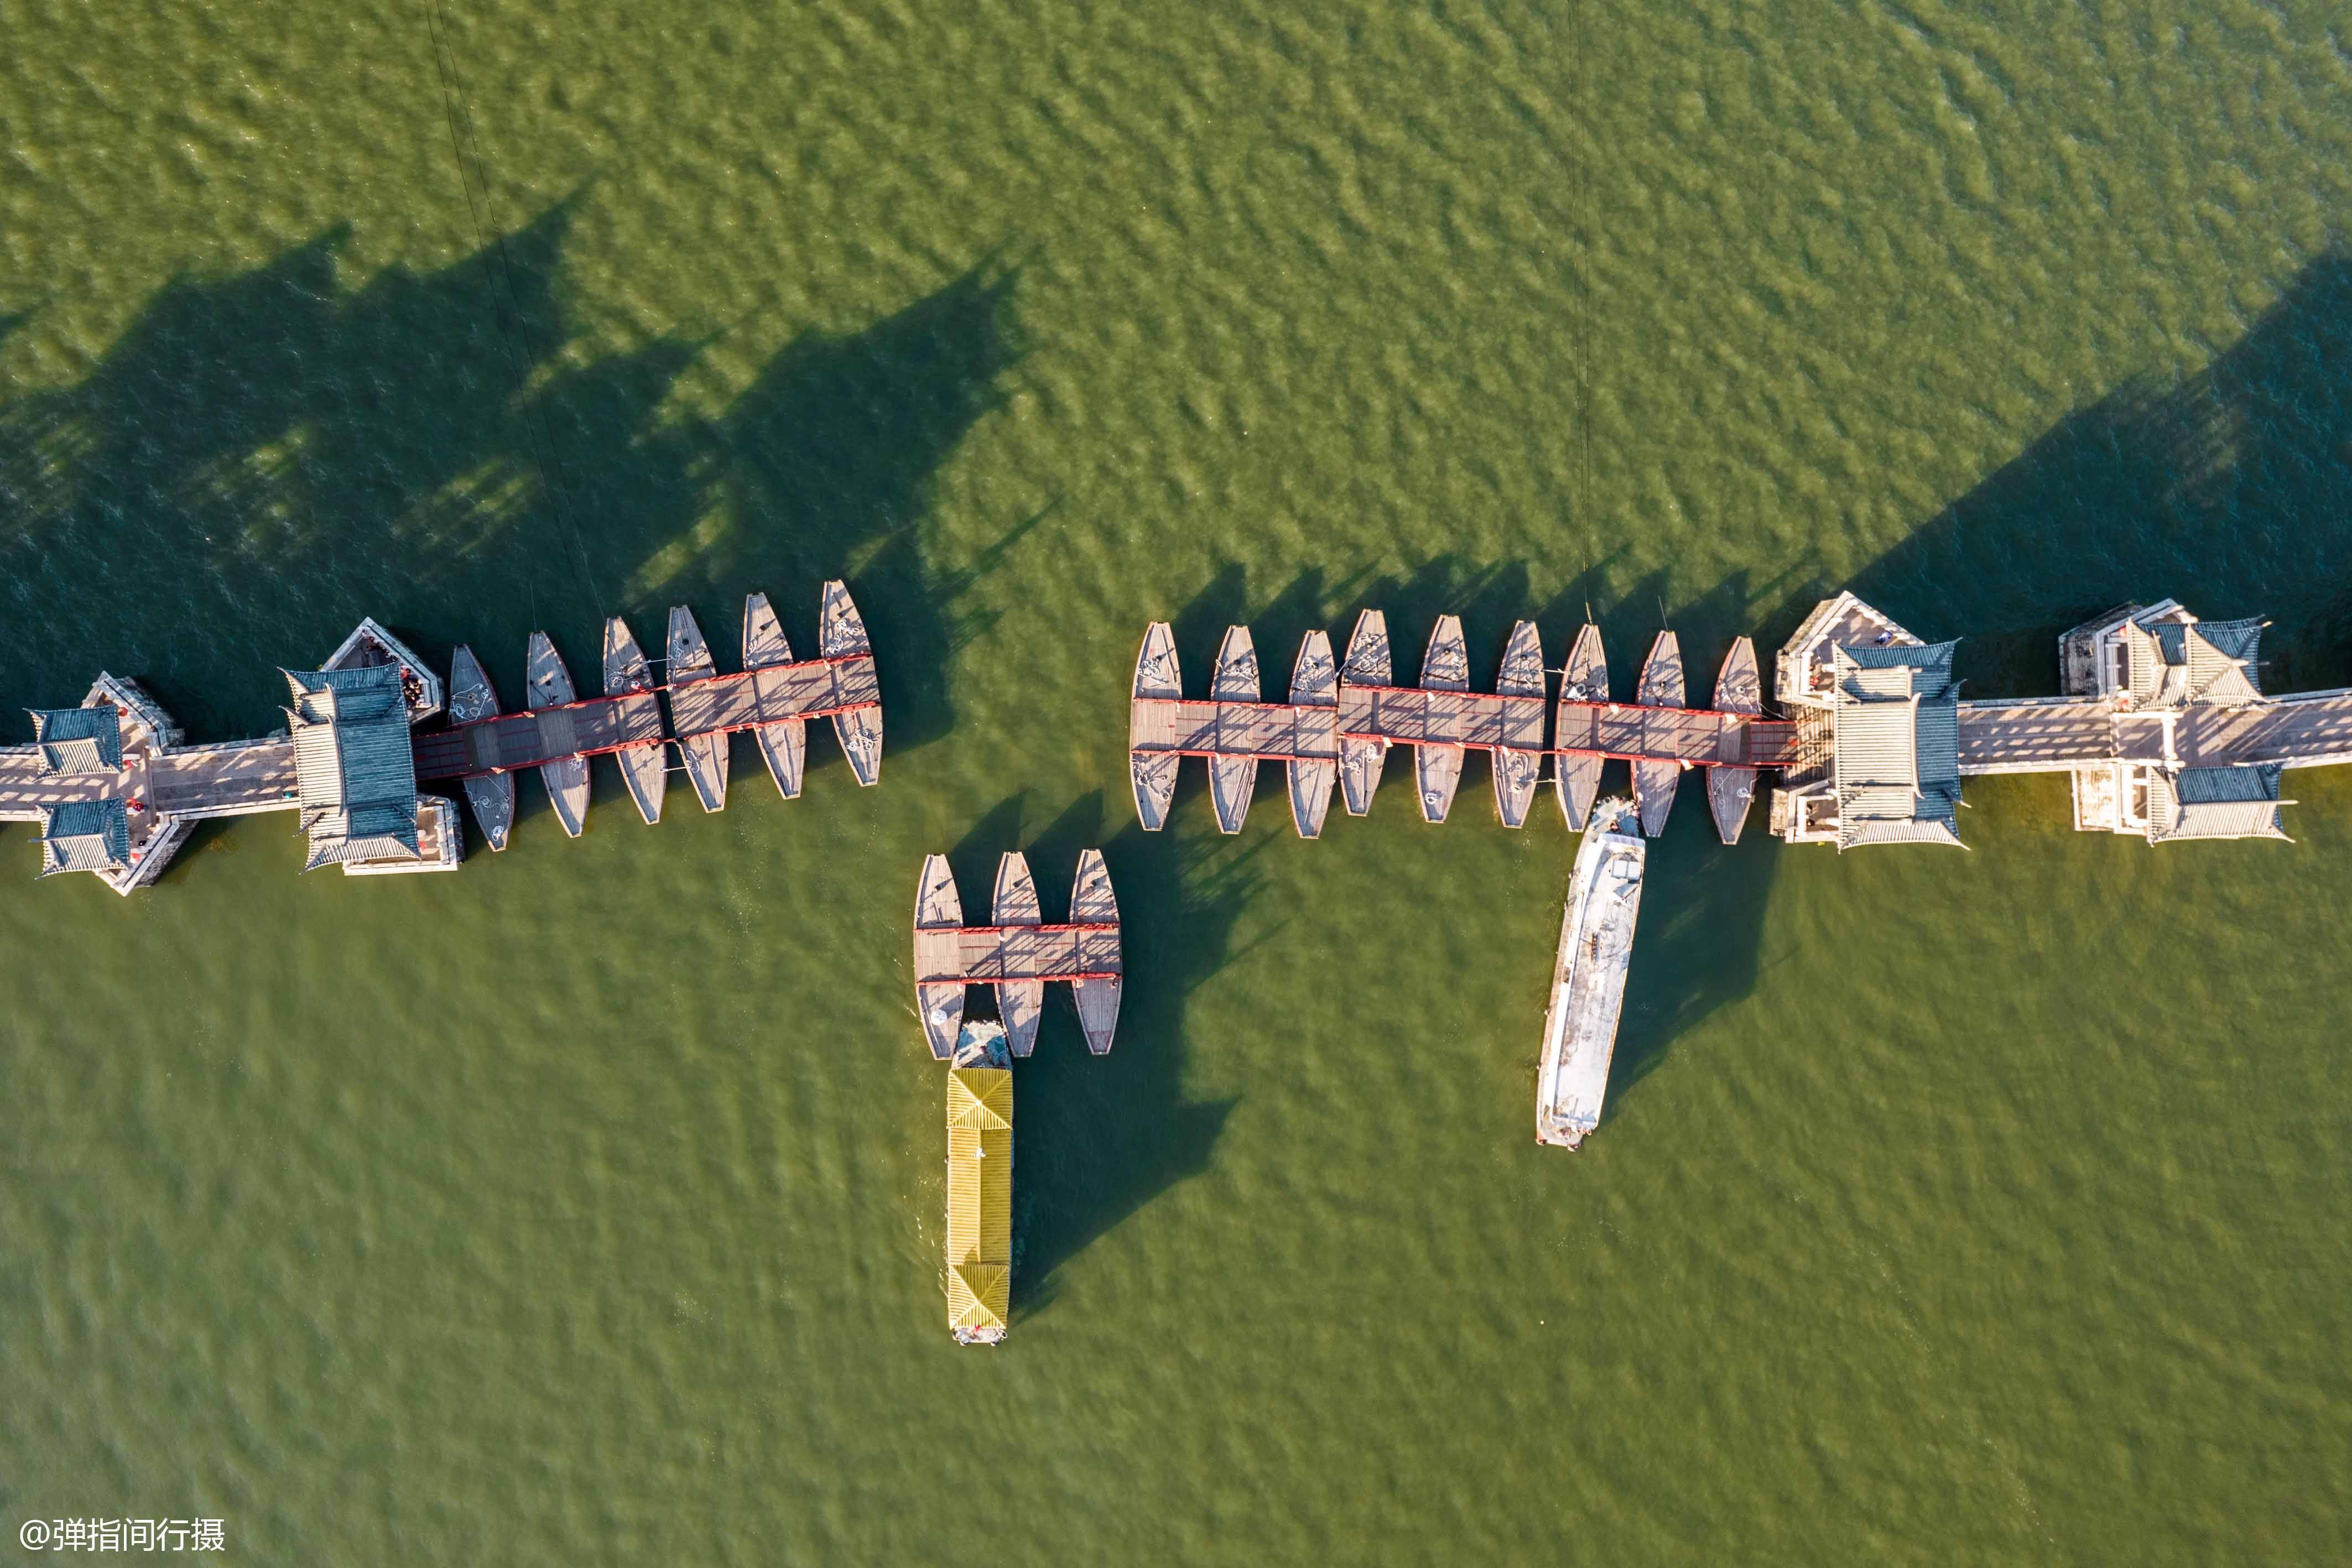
(775, 698)
(1349, 737)
(1019, 954)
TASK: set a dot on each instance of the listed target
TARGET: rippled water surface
(584, 1207)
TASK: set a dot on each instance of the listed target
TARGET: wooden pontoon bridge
(2163, 728)
(116, 787)
(1019, 954)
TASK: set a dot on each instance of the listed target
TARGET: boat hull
(1576, 775)
(1588, 991)
(549, 685)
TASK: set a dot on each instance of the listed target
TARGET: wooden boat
(644, 768)
(1368, 664)
(1729, 791)
(1092, 902)
(1232, 779)
(1516, 766)
(841, 634)
(1576, 777)
(783, 743)
(1153, 773)
(1437, 765)
(1018, 1002)
(1654, 783)
(979, 1185)
(1588, 981)
(1314, 683)
(706, 754)
(941, 1002)
(549, 684)
(472, 698)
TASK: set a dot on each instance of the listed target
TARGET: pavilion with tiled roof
(354, 772)
(2214, 803)
(86, 835)
(1894, 756)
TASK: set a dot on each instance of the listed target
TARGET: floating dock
(1588, 981)
(1348, 732)
(2162, 726)
(1017, 952)
(116, 787)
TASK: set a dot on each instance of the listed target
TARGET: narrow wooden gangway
(1340, 723)
(1019, 954)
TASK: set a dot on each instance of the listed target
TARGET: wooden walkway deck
(1372, 714)
(591, 728)
(1019, 954)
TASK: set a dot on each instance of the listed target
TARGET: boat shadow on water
(1096, 1138)
(260, 458)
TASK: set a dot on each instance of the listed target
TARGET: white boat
(566, 778)
(1587, 982)
(979, 1185)
(472, 699)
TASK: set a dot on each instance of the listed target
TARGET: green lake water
(584, 1207)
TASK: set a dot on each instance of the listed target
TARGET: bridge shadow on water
(2230, 489)
(1096, 1138)
(262, 458)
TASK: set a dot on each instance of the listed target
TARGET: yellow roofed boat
(980, 1184)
